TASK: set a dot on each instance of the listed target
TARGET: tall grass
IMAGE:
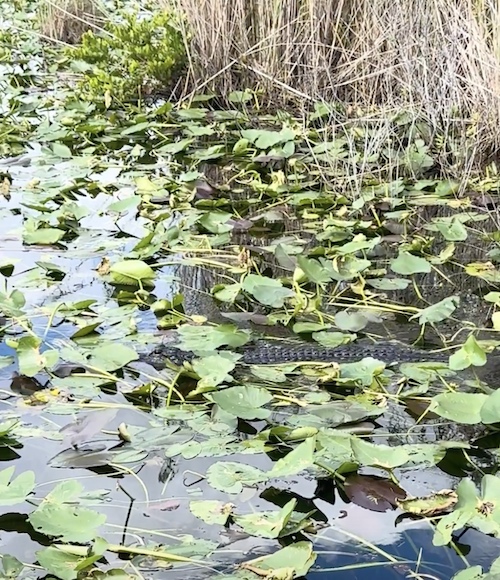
(439, 59)
(67, 20)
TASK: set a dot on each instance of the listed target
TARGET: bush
(139, 56)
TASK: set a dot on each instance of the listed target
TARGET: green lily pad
(317, 271)
(471, 354)
(62, 564)
(230, 477)
(293, 561)
(408, 264)
(452, 229)
(379, 455)
(267, 524)
(460, 407)
(267, 291)
(352, 321)
(131, 273)
(245, 402)
(31, 360)
(14, 491)
(209, 338)
(60, 516)
(214, 370)
(362, 372)
(211, 511)
(297, 460)
(439, 311)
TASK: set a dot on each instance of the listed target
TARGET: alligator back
(269, 352)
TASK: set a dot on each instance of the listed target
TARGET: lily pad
(245, 402)
(14, 491)
(408, 264)
(439, 311)
(471, 354)
(460, 407)
(267, 291)
(230, 477)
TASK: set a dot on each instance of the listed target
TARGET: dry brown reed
(66, 20)
(438, 59)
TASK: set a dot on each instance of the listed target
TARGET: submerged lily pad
(230, 477)
(373, 493)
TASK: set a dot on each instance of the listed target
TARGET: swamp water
(187, 473)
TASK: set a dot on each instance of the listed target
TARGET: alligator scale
(269, 352)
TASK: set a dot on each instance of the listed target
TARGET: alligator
(263, 352)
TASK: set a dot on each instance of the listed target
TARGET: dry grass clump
(439, 59)
(67, 20)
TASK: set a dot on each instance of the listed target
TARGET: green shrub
(139, 56)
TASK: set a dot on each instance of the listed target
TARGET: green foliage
(299, 228)
(138, 56)
(59, 515)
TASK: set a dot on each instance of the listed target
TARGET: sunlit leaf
(452, 229)
(208, 338)
(12, 567)
(214, 370)
(333, 339)
(363, 372)
(31, 360)
(360, 242)
(110, 356)
(484, 270)
(42, 236)
(490, 411)
(352, 321)
(131, 272)
(62, 151)
(477, 510)
(6, 361)
(175, 147)
(263, 139)
(388, 283)
(216, 222)
(379, 455)
(317, 271)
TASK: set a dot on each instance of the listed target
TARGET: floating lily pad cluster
(109, 216)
